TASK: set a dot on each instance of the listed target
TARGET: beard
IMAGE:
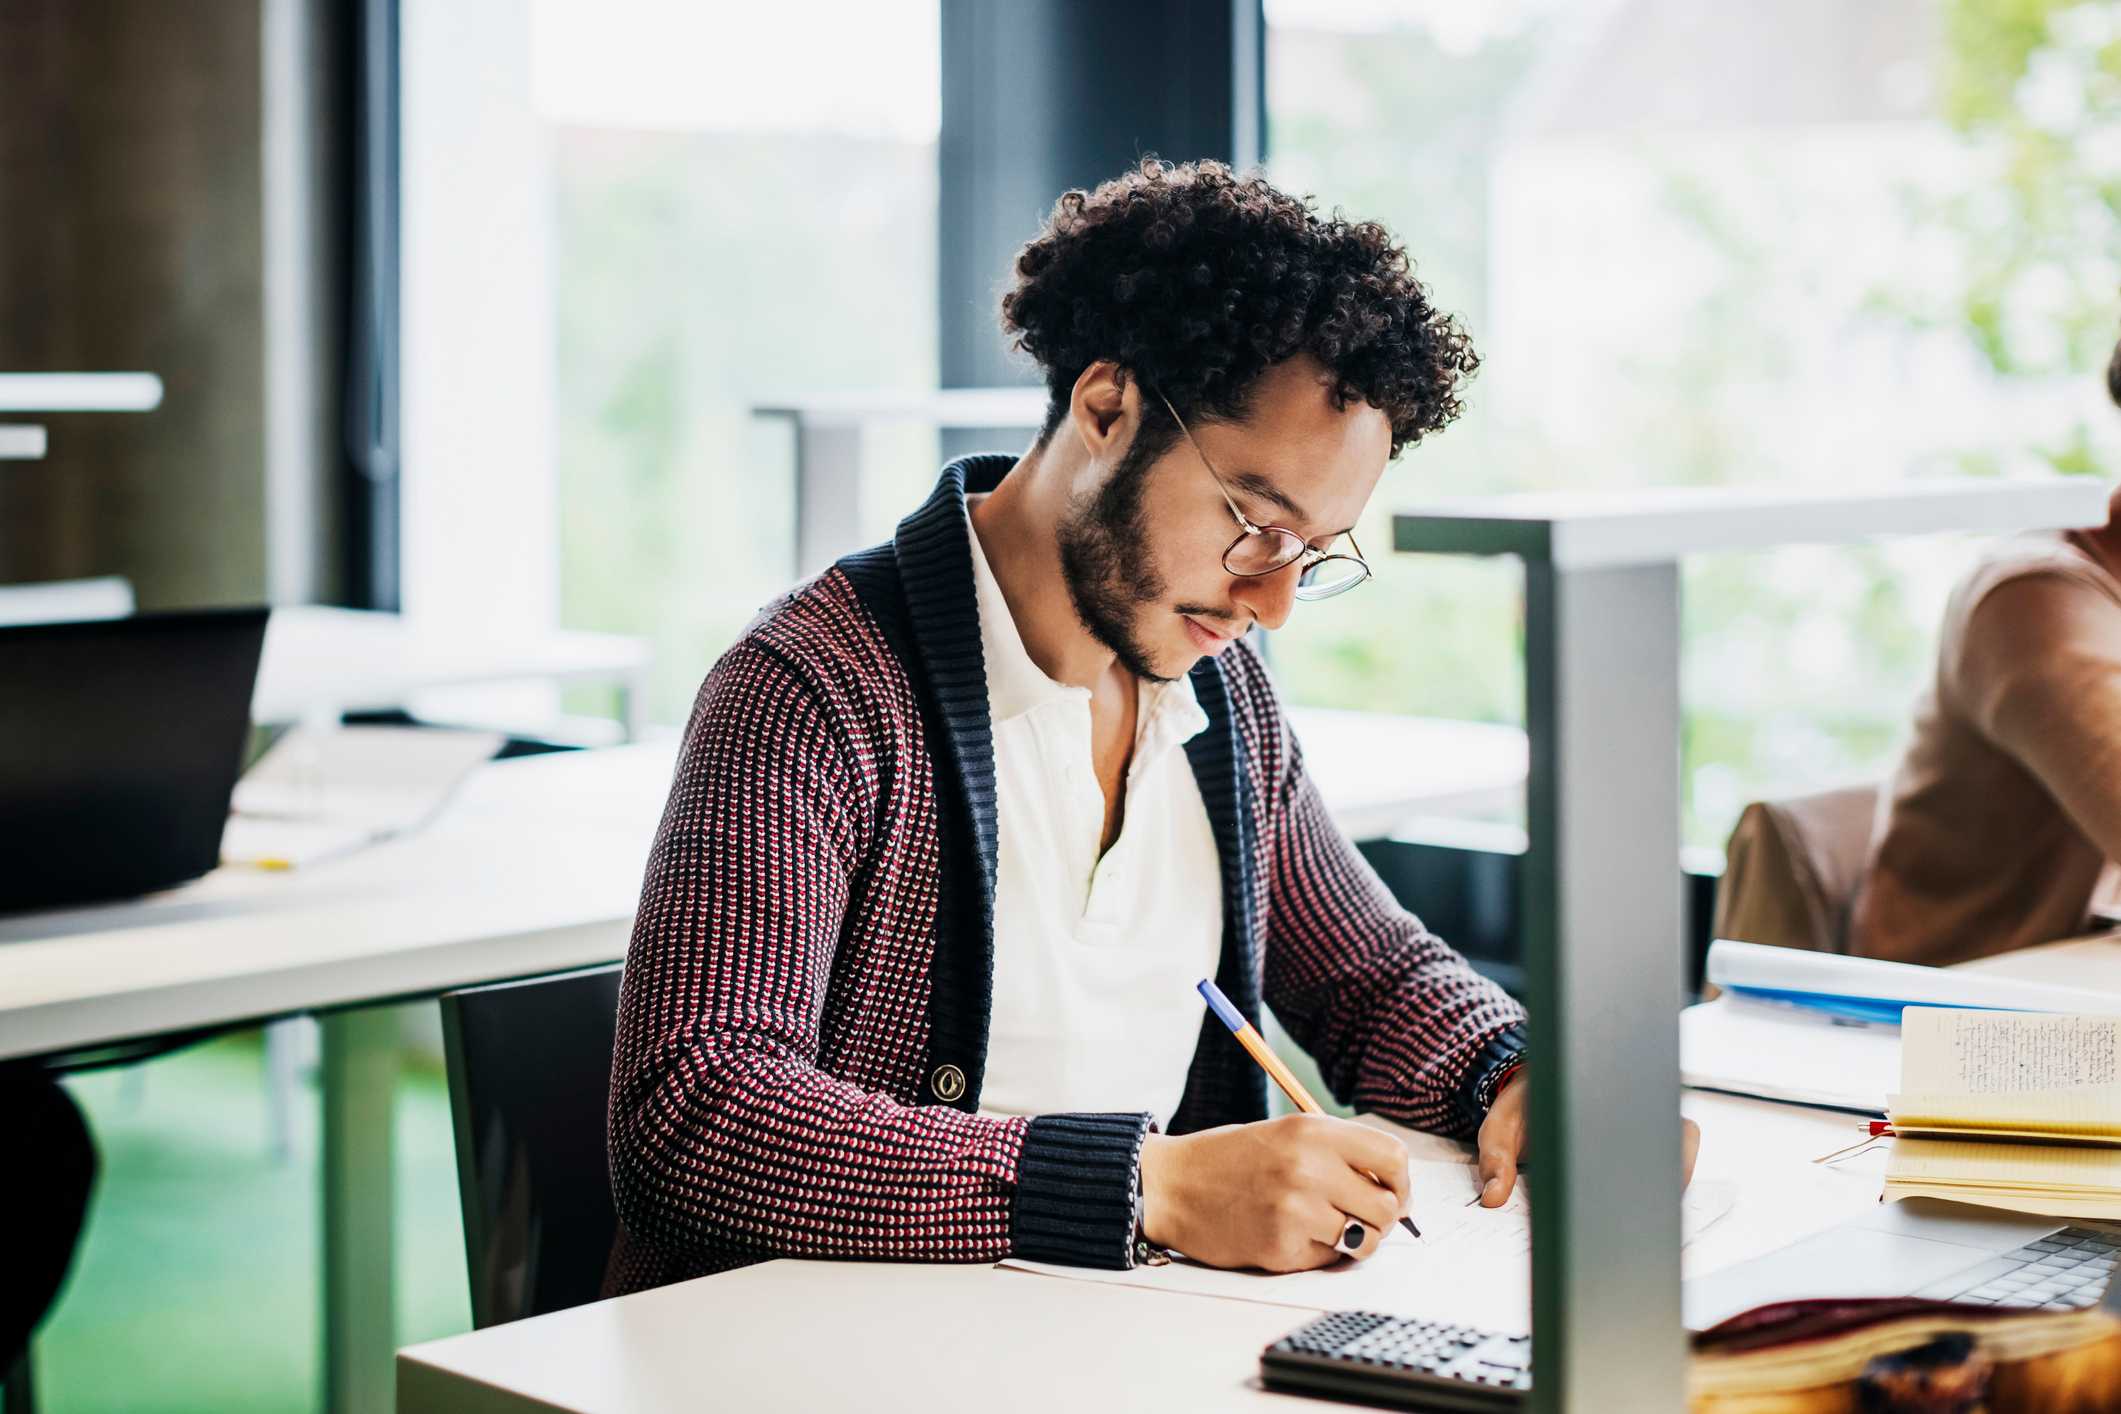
(1105, 562)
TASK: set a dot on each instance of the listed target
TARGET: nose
(1270, 597)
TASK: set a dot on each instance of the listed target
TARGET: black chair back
(529, 1076)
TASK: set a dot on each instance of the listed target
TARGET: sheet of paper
(316, 794)
(1788, 1053)
(1471, 1265)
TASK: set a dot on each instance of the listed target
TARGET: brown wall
(131, 218)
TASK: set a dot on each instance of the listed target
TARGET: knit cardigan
(803, 1022)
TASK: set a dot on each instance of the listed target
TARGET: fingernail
(1490, 1189)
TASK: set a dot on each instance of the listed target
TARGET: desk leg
(1603, 974)
(360, 1053)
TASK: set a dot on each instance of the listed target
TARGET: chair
(529, 1076)
(1791, 869)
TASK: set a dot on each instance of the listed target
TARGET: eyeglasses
(1264, 549)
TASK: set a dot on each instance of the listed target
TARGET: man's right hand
(1276, 1194)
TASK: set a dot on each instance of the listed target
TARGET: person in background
(44, 1186)
(957, 825)
(2001, 818)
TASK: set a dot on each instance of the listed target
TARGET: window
(1788, 241)
(624, 222)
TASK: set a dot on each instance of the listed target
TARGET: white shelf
(21, 442)
(80, 392)
(1590, 530)
(938, 407)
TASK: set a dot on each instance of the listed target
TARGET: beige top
(1993, 832)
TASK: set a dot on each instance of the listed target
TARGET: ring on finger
(1353, 1238)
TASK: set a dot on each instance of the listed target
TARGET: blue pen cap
(1220, 1005)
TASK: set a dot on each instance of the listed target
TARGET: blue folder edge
(1871, 1009)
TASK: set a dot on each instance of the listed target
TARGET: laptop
(1923, 1247)
(120, 742)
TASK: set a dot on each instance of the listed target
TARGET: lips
(1206, 639)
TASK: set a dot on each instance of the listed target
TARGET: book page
(1988, 1052)
(1974, 1163)
(2090, 1114)
(2056, 1180)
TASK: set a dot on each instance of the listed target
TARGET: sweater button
(948, 1082)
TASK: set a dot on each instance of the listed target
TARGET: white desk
(803, 1336)
(1602, 623)
(534, 867)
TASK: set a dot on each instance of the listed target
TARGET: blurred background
(1791, 241)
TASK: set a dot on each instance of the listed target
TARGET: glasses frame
(1306, 555)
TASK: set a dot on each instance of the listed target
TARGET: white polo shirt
(1095, 960)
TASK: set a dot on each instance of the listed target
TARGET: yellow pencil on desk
(1256, 1046)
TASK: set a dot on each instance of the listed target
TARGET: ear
(1104, 409)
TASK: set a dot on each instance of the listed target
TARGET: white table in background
(319, 658)
(535, 866)
(800, 1336)
(1603, 930)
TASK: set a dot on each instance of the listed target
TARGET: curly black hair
(1197, 281)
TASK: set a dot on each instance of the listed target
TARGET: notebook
(2009, 1110)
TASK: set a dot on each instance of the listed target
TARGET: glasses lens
(1263, 553)
(1331, 576)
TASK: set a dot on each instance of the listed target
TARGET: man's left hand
(1502, 1141)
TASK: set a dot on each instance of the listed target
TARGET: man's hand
(1502, 1141)
(1276, 1194)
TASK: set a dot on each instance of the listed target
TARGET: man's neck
(1015, 524)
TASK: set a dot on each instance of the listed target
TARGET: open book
(2009, 1109)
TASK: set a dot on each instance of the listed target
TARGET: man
(2006, 808)
(958, 824)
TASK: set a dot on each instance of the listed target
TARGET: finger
(1379, 1158)
(1498, 1164)
(1690, 1149)
(1356, 1196)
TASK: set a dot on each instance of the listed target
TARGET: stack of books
(2008, 1109)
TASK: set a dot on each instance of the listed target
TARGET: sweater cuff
(1075, 1189)
(1477, 1084)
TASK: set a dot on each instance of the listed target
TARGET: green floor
(196, 1285)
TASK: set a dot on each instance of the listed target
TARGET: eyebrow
(1253, 484)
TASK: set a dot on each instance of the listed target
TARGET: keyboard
(1401, 1362)
(2064, 1271)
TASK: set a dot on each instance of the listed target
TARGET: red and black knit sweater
(803, 1023)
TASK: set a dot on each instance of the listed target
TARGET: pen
(1256, 1046)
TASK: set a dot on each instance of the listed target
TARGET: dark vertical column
(1043, 95)
(130, 240)
(372, 357)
